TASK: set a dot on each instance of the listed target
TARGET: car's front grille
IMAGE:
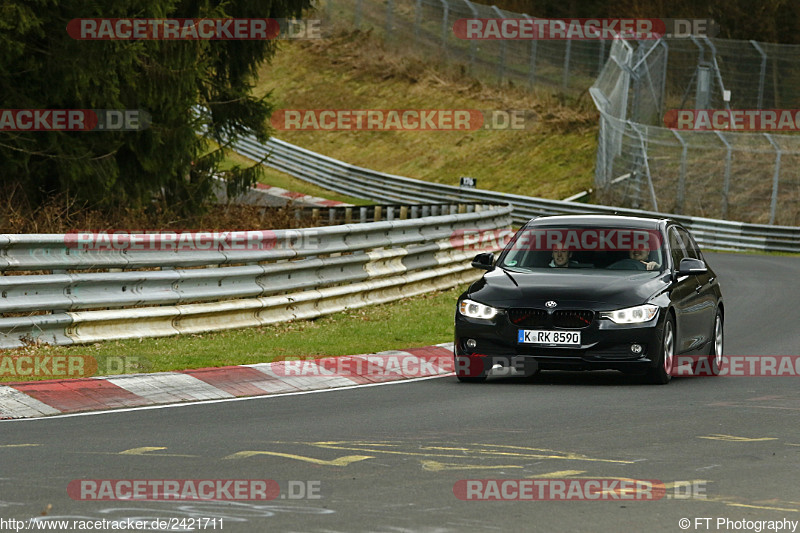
(539, 318)
(528, 318)
(573, 319)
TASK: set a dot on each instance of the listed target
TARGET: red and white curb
(297, 197)
(35, 399)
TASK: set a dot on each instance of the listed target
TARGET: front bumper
(604, 345)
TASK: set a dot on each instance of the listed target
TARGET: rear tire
(662, 373)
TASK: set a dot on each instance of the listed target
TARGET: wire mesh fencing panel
(749, 176)
(427, 28)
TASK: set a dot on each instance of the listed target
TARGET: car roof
(614, 221)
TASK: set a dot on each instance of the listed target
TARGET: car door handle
(698, 289)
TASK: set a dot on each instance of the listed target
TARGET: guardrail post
(362, 215)
(403, 212)
(348, 215)
(414, 211)
(390, 213)
(565, 74)
(378, 212)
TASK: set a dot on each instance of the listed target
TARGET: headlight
(632, 315)
(475, 310)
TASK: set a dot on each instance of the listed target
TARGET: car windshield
(581, 247)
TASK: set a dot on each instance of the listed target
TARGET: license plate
(560, 338)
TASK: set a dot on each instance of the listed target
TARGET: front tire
(469, 369)
(715, 356)
(662, 373)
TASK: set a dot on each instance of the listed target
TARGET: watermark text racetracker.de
(736, 120)
(738, 366)
(174, 241)
(580, 29)
(721, 523)
(151, 490)
(579, 489)
(30, 120)
(24, 366)
(402, 119)
(193, 29)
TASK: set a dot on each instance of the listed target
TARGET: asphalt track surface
(386, 458)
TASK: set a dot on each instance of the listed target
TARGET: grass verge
(413, 322)
(553, 157)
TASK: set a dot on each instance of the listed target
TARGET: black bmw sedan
(592, 292)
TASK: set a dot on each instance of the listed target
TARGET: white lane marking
(247, 398)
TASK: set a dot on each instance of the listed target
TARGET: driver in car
(642, 255)
(637, 260)
(561, 258)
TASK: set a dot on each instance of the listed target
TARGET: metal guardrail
(378, 186)
(301, 273)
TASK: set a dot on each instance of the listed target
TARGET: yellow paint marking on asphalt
(17, 445)
(340, 461)
(144, 450)
(762, 507)
(559, 474)
(436, 466)
(732, 438)
(484, 451)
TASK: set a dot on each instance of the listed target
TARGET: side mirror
(484, 261)
(691, 266)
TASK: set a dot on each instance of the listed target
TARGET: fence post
(600, 59)
(532, 64)
(417, 18)
(473, 44)
(681, 195)
(357, 15)
(501, 67)
(773, 206)
(646, 166)
(445, 14)
(726, 184)
(389, 9)
(567, 53)
(762, 75)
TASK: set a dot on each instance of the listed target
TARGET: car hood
(593, 289)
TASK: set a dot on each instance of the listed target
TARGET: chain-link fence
(750, 177)
(426, 27)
